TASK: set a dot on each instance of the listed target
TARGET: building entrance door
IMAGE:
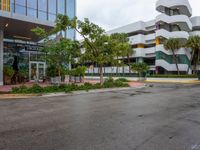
(37, 71)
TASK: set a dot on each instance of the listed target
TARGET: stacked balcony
(173, 22)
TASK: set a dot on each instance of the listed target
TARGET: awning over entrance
(17, 26)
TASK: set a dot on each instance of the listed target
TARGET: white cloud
(114, 13)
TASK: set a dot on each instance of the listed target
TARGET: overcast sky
(110, 14)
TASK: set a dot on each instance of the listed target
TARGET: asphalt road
(163, 117)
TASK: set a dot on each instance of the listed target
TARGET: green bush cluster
(171, 76)
(110, 83)
(122, 80)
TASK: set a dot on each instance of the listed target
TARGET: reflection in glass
(61, 7)
(71, 8)
(20, 7)
(71, 34)
(52, 10)
(42, 9)
(71, 12)
(32, 8)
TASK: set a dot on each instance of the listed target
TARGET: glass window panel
(12, 5)
(71, 34)
(20, 6)
(32, 8)
(71, 8)
(71, 12)
(52, 10)
(61, 7)
(42, 9)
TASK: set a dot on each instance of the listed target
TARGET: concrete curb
(91, 91)
(23, 96)
(172, 81)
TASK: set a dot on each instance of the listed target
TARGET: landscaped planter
(198, 74)
(55, 80)
(76, 79)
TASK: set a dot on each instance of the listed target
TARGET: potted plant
(77, 74)
(23, 75)
(52, 75)
(8, 74)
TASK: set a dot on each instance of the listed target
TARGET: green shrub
(122, 80)
(8, 71)
(21, 89)
(36, 89)
(109, 83)
(23, 72)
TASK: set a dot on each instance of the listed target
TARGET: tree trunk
(175, 59)
(101, 74)
(191, 59)
(123, 66)
(117, 69)
(197, 63)
(129, 62)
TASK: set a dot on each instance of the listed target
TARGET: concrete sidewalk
(171, 80)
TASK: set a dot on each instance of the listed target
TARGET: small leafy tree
(173, 45)
(123, 47)
(194, 43)
(58, 52)
(140, 68)
(100, 48)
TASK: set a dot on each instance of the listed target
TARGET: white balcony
(182, 20)
(171, 67)
(137, 39)
(175, 34)
(183, 6)
(181, 51)
(141, 39)
(195, 33)
(144, 52)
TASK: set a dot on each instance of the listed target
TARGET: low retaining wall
(148, 79)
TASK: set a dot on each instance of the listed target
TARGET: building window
(42, 9)
(71, 8)
(52, 10)
(5, 5)
(32, 8)
(71, 12)
(61, 7)
(20, 7)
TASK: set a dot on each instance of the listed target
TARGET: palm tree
(194, 43)
(173, 45)
(140, 68)
(129, 53)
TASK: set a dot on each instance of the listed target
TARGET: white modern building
(147, 38)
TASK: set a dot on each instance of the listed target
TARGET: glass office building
(42, 9)
(19, 17)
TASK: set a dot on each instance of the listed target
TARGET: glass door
(36, 71)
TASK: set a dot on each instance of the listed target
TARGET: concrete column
(1, 57)
(140, 60)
